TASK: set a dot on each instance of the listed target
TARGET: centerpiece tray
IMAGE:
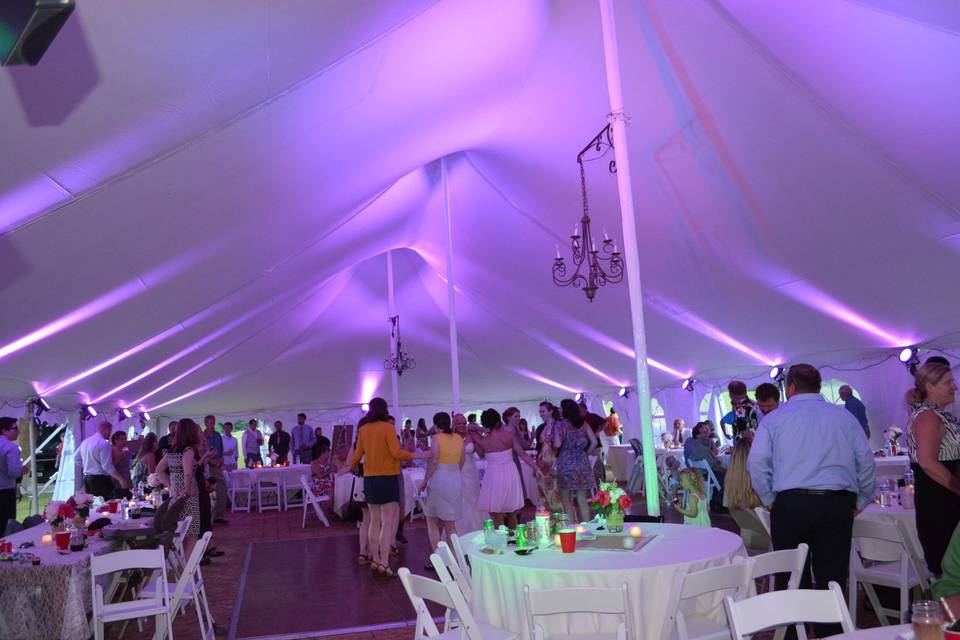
(615, 542)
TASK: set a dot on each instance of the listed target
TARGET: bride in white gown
(470, 518)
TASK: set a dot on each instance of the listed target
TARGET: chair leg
(98, 631)
(875, 603)
(904, 603)
(852, 599)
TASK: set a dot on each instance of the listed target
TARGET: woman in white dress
(471, 518)
(444, 500)
(501, 492)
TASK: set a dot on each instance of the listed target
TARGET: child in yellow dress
(696, 511)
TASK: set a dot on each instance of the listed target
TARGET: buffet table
(498, 580)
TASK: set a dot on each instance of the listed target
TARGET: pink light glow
(618, 347)
(662, 367)
(115, 359)
(809, 295)
(577, 360)
(539, 378)
(78, 315)
(703, 327)
(183, 375)
(369, 381)
(106, 301)
(206, 387)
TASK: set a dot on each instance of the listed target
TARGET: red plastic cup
(62, 538)
(112, 506)
(568, 540)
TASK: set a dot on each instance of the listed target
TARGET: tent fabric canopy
(196, 201)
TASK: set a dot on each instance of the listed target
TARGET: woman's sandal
(387, 572)
(363, 560)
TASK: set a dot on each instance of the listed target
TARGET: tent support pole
(451, 293)
(391, 312)
(32, 434)
(631, 256)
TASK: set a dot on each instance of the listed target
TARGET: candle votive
(556, 540)
(581, 528)
(636, 531)
(46, 538)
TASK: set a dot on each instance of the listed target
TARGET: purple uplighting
(369, 382)
(206, 387)
(577, 360)
(809, 295)
(539, 378)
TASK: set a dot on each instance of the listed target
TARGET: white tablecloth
(878, 550)
(892, 467)
(291, 475)
(498, 580)
(50, 600)
(621, 458)
(878, 633)
(343, 484)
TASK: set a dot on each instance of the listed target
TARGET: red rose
(625, 502)
(604, 499)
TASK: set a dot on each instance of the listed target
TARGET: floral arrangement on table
(610, 502)
(154, 485)
(57, 513)
(892, 435)
(666, 440)
(81, 502)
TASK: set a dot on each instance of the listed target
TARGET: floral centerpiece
(57, 513)
(892, 435)
(610, 502)
(81, 502)
(153, 483)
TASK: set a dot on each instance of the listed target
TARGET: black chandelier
(604, 265)
(399, 360)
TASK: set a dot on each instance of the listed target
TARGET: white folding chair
(241, 485)
(764, 516)
(177, 558)
(461, 557)
(158, 606)
(785, 561)
(602, 600)
(712, 482)
(784, 608)
(314, 501)
(420, 589)
(897, 572)
(450, 561)
(679, 625)
(188, 588)
(752, 531)
(268, 484)
(291, 489)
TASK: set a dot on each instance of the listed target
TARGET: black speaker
(27, 27)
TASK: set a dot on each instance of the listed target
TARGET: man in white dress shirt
(303, 440)
(252, 441)
(96, 458)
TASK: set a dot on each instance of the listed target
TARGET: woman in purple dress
(573, 441)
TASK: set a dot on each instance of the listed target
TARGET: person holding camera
(743, 416)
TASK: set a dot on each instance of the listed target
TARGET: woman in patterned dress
(322, 467)
(177, 471)
(547, 481)
(935, 459)
(575, 478)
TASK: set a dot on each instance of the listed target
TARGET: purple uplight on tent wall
(539, 378)
(809, 295)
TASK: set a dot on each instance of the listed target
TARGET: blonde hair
(738, 488)
(696, 480)
(930, 373)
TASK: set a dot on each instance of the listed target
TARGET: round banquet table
(897, 632)
(498, 580)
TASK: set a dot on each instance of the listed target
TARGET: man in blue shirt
(215, 468)
(854, 406)
(812, 467)
(11, 470)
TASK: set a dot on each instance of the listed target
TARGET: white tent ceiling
(198, 197)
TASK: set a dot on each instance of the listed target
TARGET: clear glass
(927, 620)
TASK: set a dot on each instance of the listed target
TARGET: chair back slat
(599, 600)
(733, 576)
(781, 608)
(461, 556)
(786, 561)
(446, 555)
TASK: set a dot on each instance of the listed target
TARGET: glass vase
(615, 521)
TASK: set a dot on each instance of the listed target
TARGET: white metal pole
(391, 312)
(630, 251)
(451, 293)
(32, 434)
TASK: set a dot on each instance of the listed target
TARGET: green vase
(615, 522)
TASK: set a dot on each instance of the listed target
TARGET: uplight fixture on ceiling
(123, 413)
(910, 357)
(624, 392)
(687, 385)
(40, 405)
(88, 411)
(365, 407)
(778, 373)
(144, 416)
(578, 397)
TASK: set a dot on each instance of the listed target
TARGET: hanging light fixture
(88, 411)
(399, 360)
(603, 265)
(910, 357)
(688, 384)
(40, 405)
(778, 373)
(624, 392)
